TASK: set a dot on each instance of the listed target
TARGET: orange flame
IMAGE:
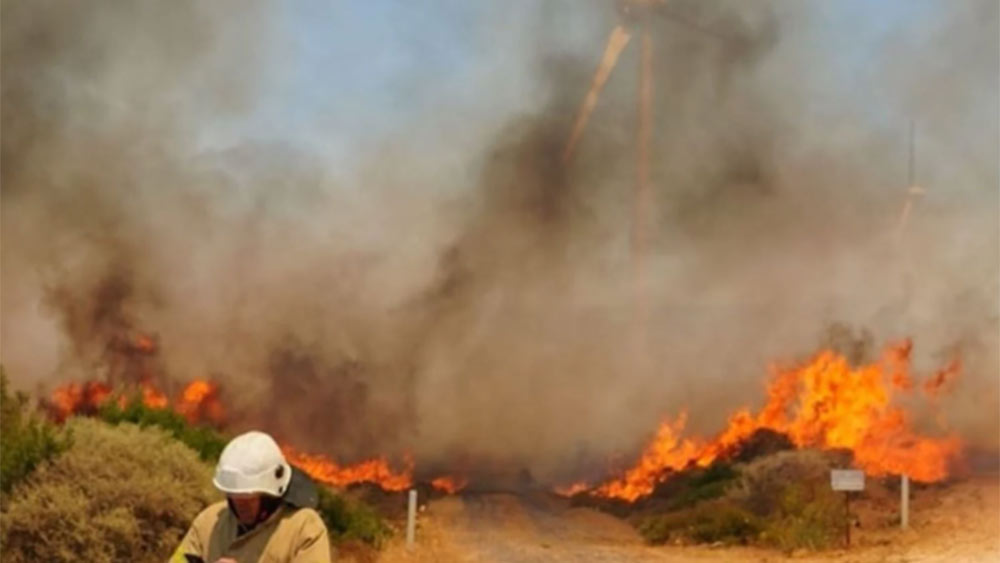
(824, 404)
(153, 397)
(325, 470)
(78, 398)
(449, 484)
(943, 378)
(199, 401)
(144, 344)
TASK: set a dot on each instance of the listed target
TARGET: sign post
(904, 492)
(847, 480)
(411, 518)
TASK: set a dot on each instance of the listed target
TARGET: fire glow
(824, 403)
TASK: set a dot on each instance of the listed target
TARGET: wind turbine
(913, 191)
(635, 19)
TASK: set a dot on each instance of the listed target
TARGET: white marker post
(411, 519)
(847, 480)
(904, 493)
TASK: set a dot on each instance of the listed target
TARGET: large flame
(824, 404)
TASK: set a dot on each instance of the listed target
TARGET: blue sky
(351, 72)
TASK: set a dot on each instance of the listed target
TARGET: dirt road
(960, 523)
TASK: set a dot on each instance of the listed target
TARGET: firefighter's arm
(313, 542)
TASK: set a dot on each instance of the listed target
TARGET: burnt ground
(959, 522)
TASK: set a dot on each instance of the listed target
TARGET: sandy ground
(958, 523)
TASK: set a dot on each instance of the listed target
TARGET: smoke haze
(444, 285)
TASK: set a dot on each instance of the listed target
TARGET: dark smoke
(461, 295)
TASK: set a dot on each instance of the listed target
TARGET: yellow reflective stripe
(179, 556)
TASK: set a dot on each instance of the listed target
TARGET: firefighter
(268, 515)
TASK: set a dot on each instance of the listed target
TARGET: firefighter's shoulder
(211, 514)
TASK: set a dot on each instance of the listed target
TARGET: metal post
(411, 519)
(641, 207)
(904, 493)
(847, 520)
(642, 199)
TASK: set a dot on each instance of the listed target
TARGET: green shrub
(207, 441)
(701, 485)
(26, 439)
(117, 494)
(347, 519)
(708, 522)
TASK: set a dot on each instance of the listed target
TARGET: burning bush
(26, 441)
(117, 494)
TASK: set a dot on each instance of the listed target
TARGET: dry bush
(118, 494)
(790, 491)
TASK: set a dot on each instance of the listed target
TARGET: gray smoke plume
(457, 292)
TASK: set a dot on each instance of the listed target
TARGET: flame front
(329, 472)
(823, 404)
(199, 402)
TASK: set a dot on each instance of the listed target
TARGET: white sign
(847, 479)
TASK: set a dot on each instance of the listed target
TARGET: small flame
(449, 484)
(200, 401)
(572, 489)
(78, 398)
(144, 344)
(943, 379)
(153, 397)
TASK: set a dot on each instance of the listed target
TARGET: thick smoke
(460, 294)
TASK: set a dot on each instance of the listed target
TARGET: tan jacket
(290, 535)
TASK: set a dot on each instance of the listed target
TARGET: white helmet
(252, 463)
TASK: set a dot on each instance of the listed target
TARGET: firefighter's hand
(226, 560)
